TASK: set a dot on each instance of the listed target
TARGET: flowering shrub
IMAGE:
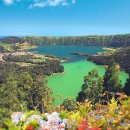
(114, 116)
(34, 121)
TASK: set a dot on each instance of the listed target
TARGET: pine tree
(112, 81)
(40, 96)
(24, 87)
(34, 92)
(92, 87)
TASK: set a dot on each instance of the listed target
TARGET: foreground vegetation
(99, 105)
(114, 116)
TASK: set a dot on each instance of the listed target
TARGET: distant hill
(122, 40)
(11, 40)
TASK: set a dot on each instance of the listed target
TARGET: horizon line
(65, 35)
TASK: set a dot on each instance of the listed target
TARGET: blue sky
(64, 17)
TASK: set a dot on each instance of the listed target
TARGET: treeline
(121, 56)
(92, 40)
(108, 40)
(47, 67)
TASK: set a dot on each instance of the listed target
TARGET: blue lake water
(64, 50)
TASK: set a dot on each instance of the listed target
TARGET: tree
(8, 98)
(70, 104)
(24, 87)
(34, 92)
(112, 81)
(92, 87)
(40, 96)
(127, 86)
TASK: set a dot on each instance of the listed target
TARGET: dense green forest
(122, 40)
(47, 67)
(22, 90)
(108, 40)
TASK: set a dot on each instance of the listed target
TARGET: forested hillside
(108, 40)
(92, 40)
(121, 56)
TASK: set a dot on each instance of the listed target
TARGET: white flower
(17, 116)
(35, 117)
(47, 114)
(42, 123)
(54, 121)
(56, 114)
(49, 117)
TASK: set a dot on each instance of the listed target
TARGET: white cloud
(38, 4)
(52, 3)
(42, 3)
(56, 2)
(8, 2)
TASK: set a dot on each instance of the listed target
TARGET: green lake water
(69, 83)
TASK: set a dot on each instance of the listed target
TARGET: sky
(64, 17)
